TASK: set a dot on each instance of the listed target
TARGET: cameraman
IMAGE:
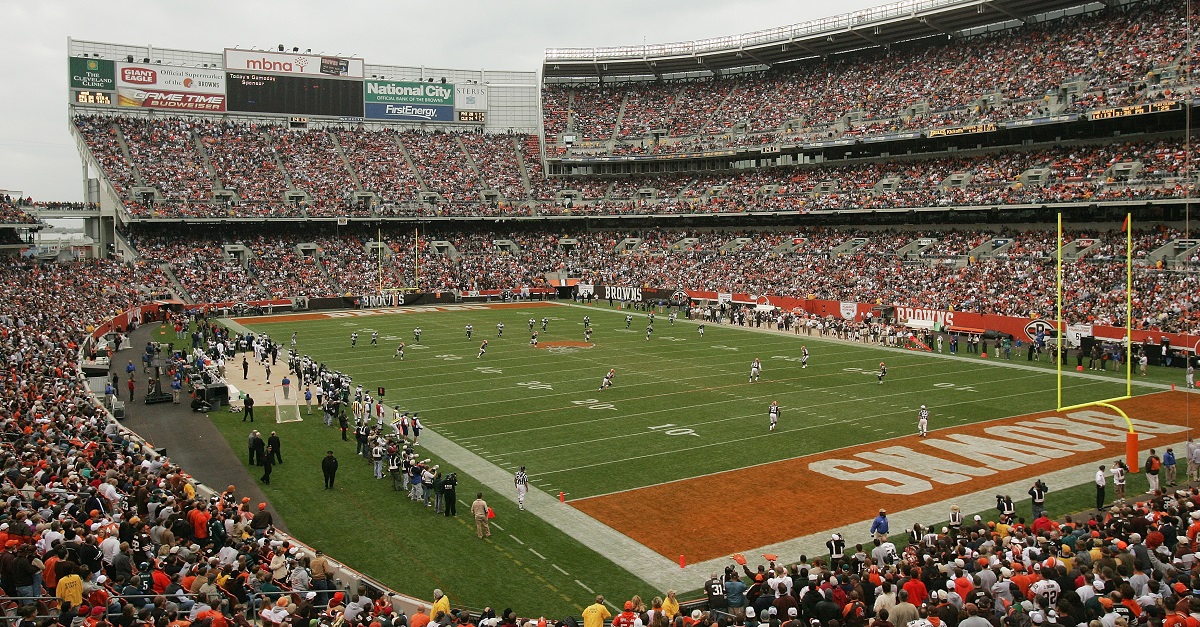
(1038, 496)
(450, 484)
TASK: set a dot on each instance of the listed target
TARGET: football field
(681, 436)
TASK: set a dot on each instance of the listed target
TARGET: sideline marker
(562, 497)
(682, 562)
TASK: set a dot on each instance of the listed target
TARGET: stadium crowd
(458, 167)
(98, 530)
(13, 210)
(994, 272)
(993, 77)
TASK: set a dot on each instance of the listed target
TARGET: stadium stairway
(208, 166)
(137, 174)
(190, 439)
(412, 166)
(531, 142)
(345, 160)
(616, 131)
(169, 272)
(717, 111)
(483, 184)
(287, 175)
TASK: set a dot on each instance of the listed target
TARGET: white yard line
(663, 573)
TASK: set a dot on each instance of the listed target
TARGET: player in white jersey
(294, 335)
(531, 323)
(608, 379)
(469, 329)
(671, 318)
(399, 352)
(587, 334)
(353, 339)
(1190, 378)
(374, 338)
(803, 356)
(1048, 589)
(499, 329)
(628, 321)
(773, 413)
(923, 422)
(755, 370)
(417, 335)
(649, 330)
(533, 340)
(700, 328)
(587, 321)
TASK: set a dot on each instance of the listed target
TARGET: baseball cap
(792, 612)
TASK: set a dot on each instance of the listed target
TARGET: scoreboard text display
(298, 95)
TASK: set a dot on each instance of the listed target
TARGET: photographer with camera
(449, 487)
(1038, 495)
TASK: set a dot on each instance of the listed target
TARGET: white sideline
(663, 573)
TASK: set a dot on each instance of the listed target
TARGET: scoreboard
(299, 95)
(293, 85)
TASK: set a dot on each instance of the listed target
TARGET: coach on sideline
(879, 526)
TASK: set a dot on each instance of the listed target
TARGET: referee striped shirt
(522, 478)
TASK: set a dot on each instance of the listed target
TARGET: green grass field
(681, 407)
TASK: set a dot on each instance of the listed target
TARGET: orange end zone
(830, 490)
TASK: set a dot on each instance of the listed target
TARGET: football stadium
(882, 318)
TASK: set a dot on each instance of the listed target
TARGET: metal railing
(811, 28)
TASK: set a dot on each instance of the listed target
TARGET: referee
(521, 481)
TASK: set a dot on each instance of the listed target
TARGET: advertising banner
(292, 63)
(470, 97)
(403, 92)
(93, 74)
(412, 112)
(167, 87)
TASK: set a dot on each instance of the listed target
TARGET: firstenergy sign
(408, 101)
